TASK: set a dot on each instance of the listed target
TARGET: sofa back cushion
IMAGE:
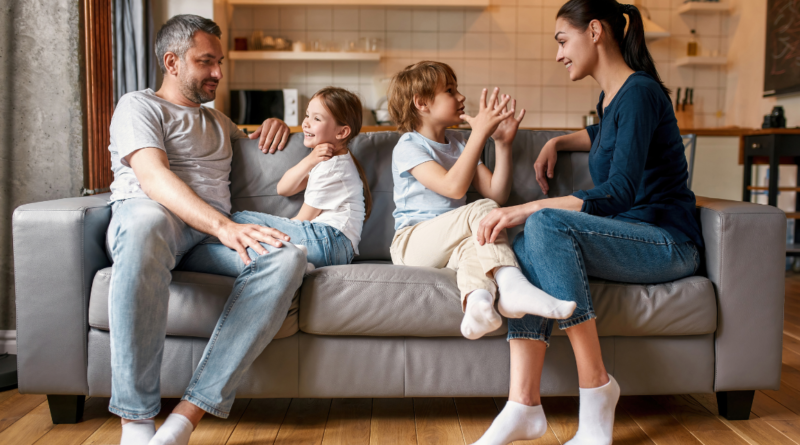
(255, 176)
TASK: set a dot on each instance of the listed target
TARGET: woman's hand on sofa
(500, 219)
(545, 164)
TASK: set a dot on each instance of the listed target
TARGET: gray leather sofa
(372, 329)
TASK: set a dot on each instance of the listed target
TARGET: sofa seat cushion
(387, 300)
(196, 301)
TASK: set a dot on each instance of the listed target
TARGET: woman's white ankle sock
(517, 297)
(480, 318)
(176, 430)
(138, 432)
(596, 418)
(515, 422)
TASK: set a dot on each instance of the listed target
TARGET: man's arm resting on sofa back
(151, 167)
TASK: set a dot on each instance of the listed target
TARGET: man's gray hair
(176, 35)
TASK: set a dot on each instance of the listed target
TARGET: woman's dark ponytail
(579, 13)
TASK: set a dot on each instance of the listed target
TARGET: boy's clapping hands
(492, 114)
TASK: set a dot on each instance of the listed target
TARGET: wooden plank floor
(675, 419)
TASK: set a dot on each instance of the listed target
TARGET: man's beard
(193, 90)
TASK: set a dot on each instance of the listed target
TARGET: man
(171, 203)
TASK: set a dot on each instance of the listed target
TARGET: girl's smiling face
(319, 127)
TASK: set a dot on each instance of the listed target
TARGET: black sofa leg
(65, 409)
(735, 405)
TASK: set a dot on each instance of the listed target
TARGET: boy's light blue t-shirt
(414, 202)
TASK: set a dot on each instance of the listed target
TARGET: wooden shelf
(702, 60)
(704, 7)
(302, 55)
(780, 189)
(405, 3)
(792, 215)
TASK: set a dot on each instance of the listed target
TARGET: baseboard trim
(8, 342)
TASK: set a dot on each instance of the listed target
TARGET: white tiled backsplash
(510, 45)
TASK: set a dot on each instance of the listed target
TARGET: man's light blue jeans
(560, 249)
(146, 241)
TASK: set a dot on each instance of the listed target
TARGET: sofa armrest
(58, 247)
(745, 257)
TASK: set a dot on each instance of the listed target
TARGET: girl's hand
(321, 153)
(507, 130)
(500, 219)
(545, 164)
(489, 115)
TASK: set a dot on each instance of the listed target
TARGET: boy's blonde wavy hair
(419, 79)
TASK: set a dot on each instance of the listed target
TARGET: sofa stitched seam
(191, 283)
(377, 282)
(84, 312)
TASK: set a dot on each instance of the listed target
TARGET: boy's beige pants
(448, 241)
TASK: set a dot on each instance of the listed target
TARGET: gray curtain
(134, 47)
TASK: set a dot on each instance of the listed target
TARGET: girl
(432, 168)
(337, 199)
(636, 225)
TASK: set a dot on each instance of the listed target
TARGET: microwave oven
(252, 107)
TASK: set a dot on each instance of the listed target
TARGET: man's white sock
(138, 432)
(517, 297)
(480, 318)
(515, 422)
(176, 430)
(596, 417)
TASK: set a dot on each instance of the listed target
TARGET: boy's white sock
(517, 297)
(176, 430)
(480, 318)
(596, 417)
(515, 422)
(138, 432)
(309, 266)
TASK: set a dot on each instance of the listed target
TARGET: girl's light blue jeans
(560, 249)
(327, 246)
(146, 242)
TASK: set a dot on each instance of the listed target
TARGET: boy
(432, 168)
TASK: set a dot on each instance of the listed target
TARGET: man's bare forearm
(169, 190)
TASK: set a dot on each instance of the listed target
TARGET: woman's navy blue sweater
(638, 162)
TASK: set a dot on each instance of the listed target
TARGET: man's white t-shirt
(197, 141)
(335, 187)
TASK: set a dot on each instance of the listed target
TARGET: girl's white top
(335, 187)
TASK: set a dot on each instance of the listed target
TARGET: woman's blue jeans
(327, 246)
(560, 249)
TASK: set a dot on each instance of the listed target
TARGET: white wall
(510, 44)
(746, 71)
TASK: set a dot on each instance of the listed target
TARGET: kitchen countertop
(721, 131)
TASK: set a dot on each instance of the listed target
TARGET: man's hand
(272, 135)
(241, 236)
(489, 115)
(500, 219)
(507, 130)
(320, 153)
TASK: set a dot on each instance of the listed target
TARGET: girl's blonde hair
(345, 107)
(419, 79)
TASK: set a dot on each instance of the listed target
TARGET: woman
(636, 225)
